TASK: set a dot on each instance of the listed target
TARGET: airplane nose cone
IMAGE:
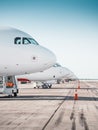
(43, 58)
(48, 57)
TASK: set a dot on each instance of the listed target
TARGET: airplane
(53, 73)
(21, 54)
(71, 76)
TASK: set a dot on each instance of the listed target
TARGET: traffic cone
(78, 85)
(75, 95)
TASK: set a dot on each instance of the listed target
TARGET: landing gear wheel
(49, 86)
(15, 94)
(17, 90)
(9, 96)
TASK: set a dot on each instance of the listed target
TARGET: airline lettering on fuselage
(25, 41)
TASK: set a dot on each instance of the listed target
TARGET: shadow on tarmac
(88, 88)
(49, 97)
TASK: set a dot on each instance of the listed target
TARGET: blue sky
(68, 27)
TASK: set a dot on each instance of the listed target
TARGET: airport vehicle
(53, 73)
(20, 54)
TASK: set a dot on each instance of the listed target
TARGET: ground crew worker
(9, 83)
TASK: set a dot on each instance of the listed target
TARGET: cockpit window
(25, 41)
(17, 40)
(33, 41)
(56, 65)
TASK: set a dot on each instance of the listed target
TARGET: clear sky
(67, 27)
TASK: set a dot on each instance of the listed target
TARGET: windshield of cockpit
(30, 41)
(25, 41)
(57, 65)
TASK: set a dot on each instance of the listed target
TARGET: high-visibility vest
(9, 84)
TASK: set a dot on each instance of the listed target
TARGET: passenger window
(17, 40)
(26, 41)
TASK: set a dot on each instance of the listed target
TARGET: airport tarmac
(51, 109)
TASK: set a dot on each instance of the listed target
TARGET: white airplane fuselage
(19, 56)
(52, 73)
